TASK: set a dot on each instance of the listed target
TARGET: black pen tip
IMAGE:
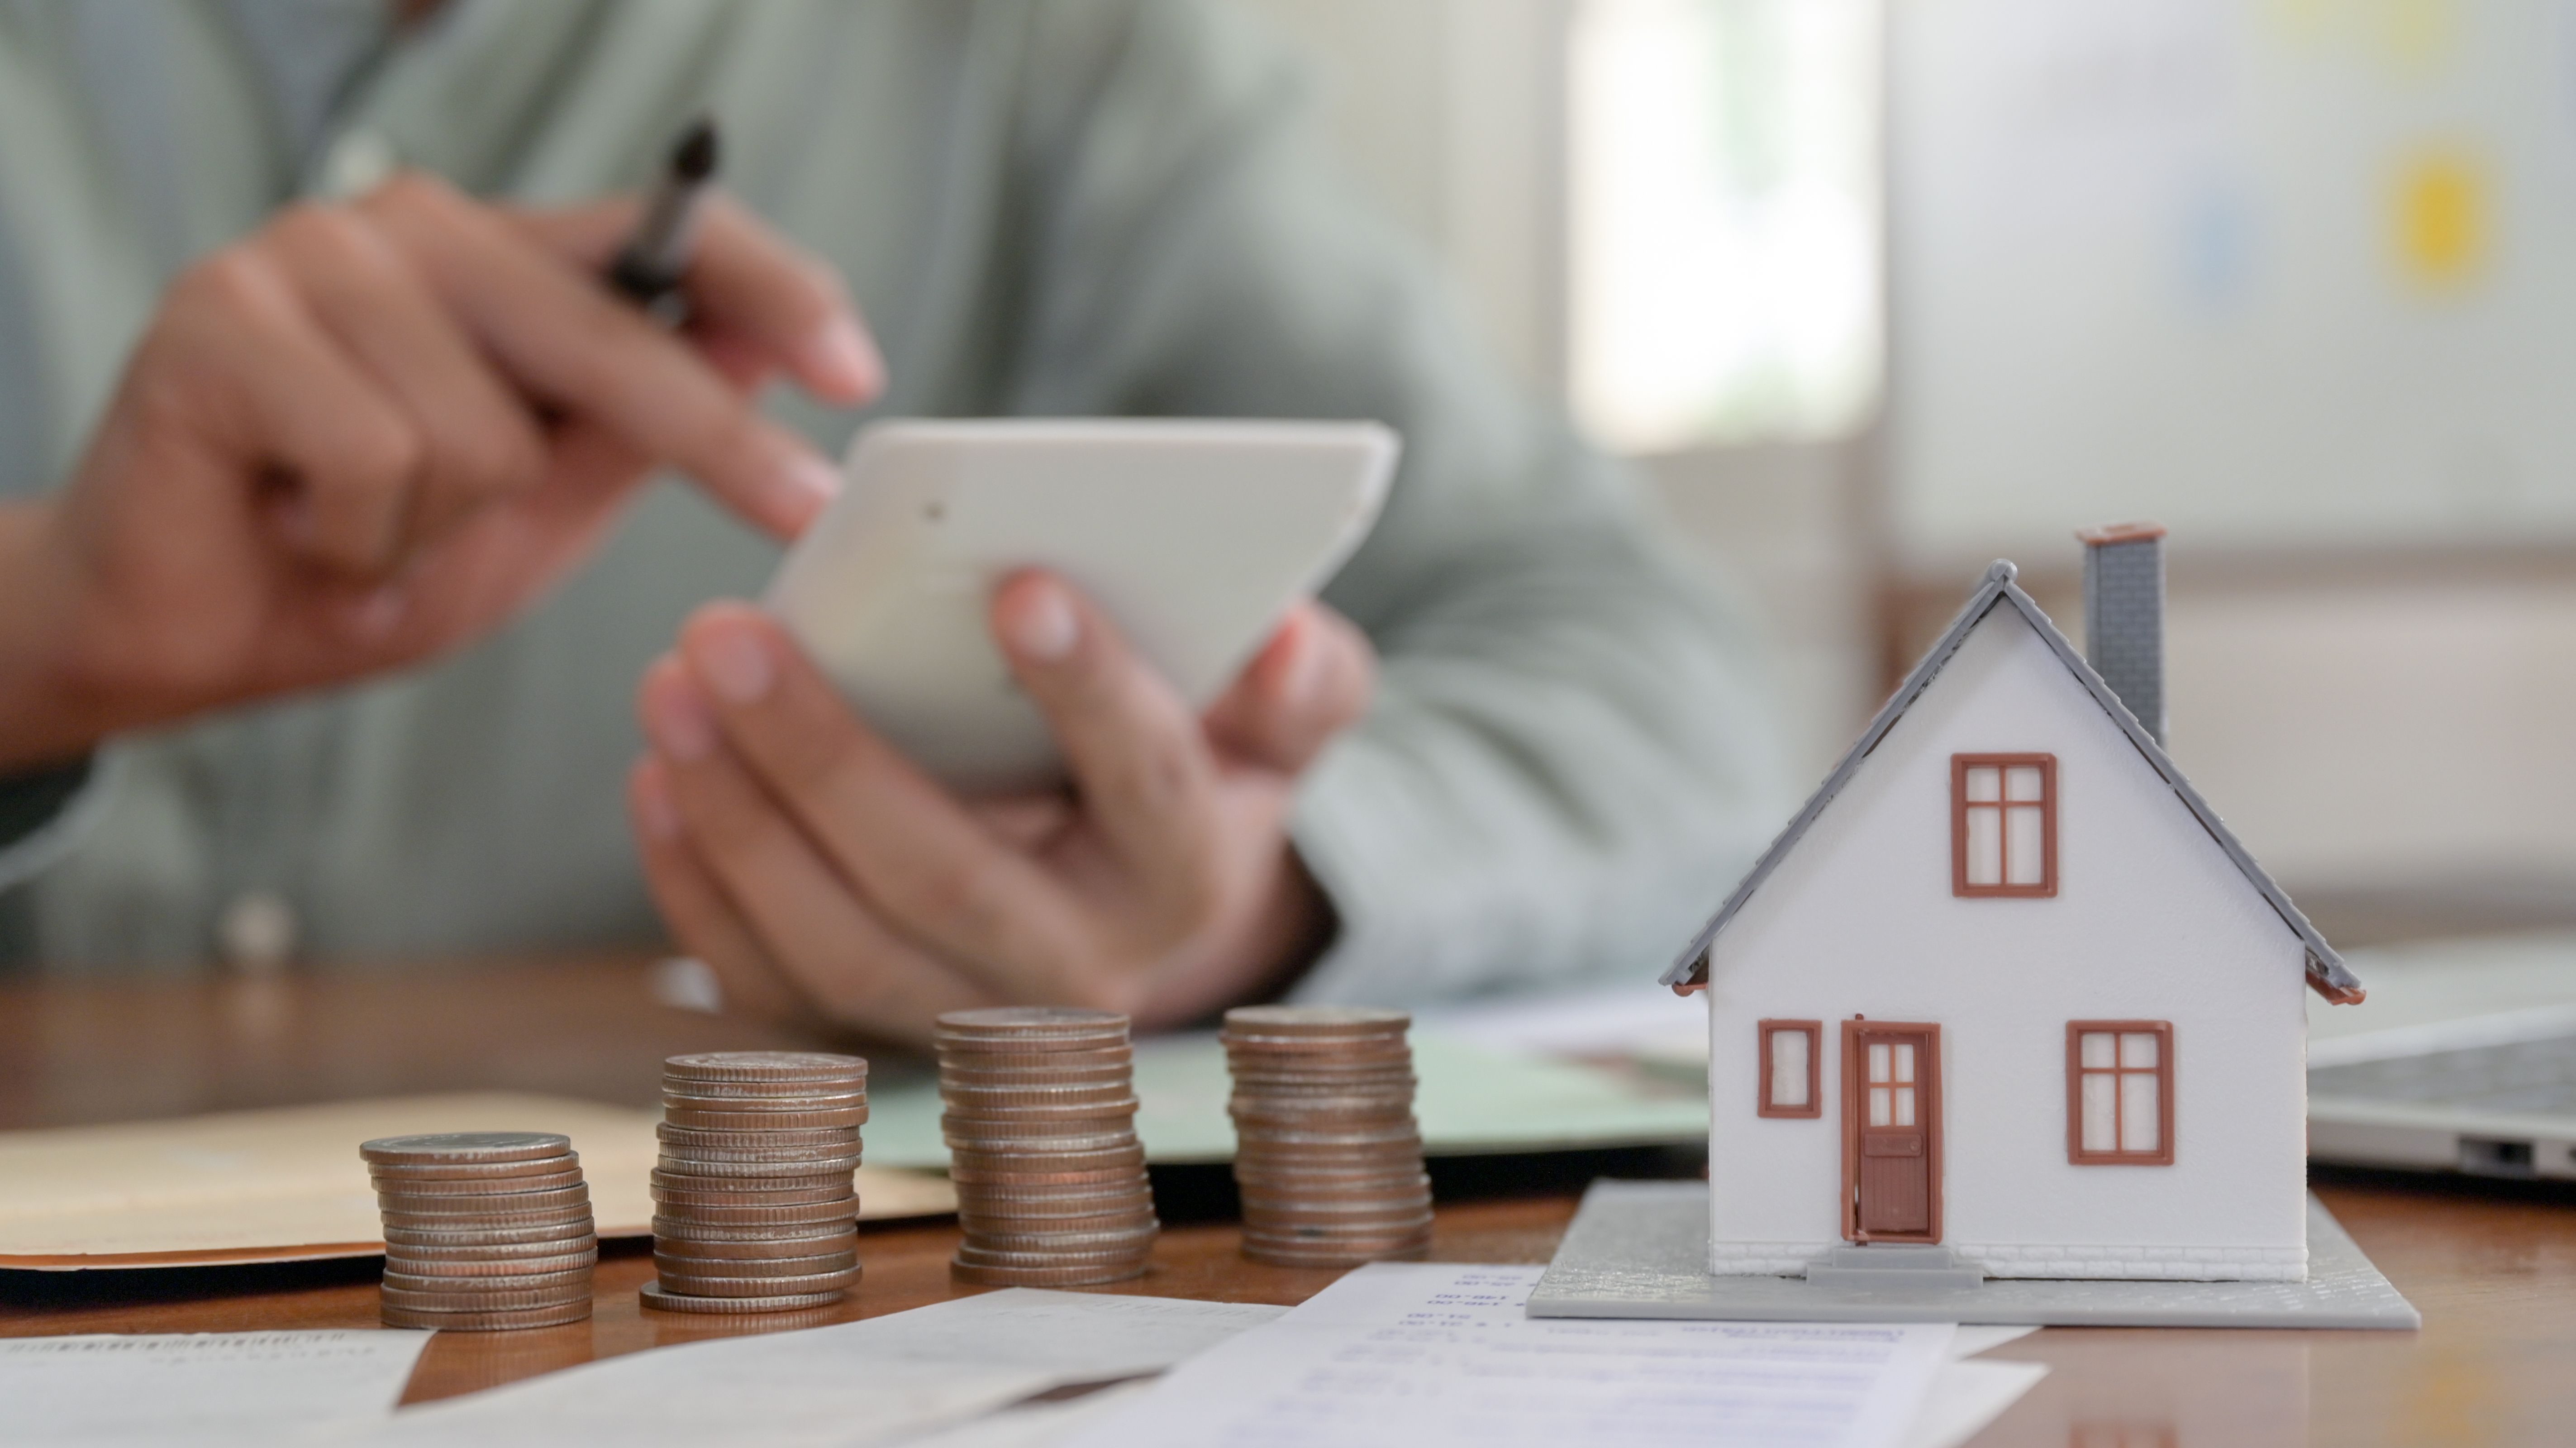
(694, 158)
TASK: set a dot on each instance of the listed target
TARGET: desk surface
(2492, 1267)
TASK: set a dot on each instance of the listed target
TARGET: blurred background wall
(1876, 292)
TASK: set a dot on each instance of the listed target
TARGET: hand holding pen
(368, 433)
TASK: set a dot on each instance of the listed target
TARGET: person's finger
(478, 441)
(747, 280)
(1025, 822)
(281, 396)
(1134, 748)
(1309, 683)
(915, 853)
(816, 928)
(700, 918)
(574, 344)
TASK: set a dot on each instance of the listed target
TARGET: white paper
(885, 1380)
(1413, 1355)
(1966, 1396)
(198, 1387)
(1977, 1337)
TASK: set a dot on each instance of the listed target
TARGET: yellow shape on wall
(2441, 218)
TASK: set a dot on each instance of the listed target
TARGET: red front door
(1891, 1131)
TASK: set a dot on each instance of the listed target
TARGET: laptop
(2463, 1059)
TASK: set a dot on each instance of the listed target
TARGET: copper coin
(462, 1146)
(471, 1234)
(1132, 1239)
(493, 1204)
(484, 1187)
(990, 1100)
(839, 1243)
(484, 1301)
(756, 1266)
(1087, 1184)
(683, 1229)
(801, 1101)
(988, 1078)
(784, 1120)
(1406, 1133)
(1085, 1059)
(753, 1171)
(762, 1091)
(1035, 1174)
(577, 1218)
(1012, 1142)
(493, 1281)
(765, 1066)
(1130, 1157)
(696, 1285)
(1080, 1276)
(652, 1295)
(569, 1312)
(445, 1171)
(972, 1197)
(1106, 1217)
(431, 1267)
(691, 1138)
(968, 1256)
(834, 1209)
(681, 1203)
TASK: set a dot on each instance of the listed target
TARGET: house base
(1894, 1269)
(1640, 1249)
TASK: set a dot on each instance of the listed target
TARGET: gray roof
(2325, 969)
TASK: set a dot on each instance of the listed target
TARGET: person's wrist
(51, 712)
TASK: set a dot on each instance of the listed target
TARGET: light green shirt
(1044, 207)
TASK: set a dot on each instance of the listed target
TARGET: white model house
(2008, 985)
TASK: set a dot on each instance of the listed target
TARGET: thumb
(1309, 683)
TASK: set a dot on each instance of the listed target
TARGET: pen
(656, 255)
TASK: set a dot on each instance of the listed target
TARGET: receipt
(199, 1388)
(1414, 1355)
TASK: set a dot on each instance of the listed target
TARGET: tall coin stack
(1041, 1128)
(1326, 1153)
(484, 1230)
(755, 1209)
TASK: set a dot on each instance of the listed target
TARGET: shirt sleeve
(1572, 755)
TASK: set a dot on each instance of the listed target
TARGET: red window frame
(1815, 1107)
(2076, 1071)
(1960, 764)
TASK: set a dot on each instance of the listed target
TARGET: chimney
(2124, 615)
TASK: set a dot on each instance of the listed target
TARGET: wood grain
(2493, 1266)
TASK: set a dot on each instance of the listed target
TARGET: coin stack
(1326, 1151)
(483, 1230)
(754, 1206)
(1041, 1128)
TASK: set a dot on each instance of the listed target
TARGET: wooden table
(2493, 1267)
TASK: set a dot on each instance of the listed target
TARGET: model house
(2008, 985)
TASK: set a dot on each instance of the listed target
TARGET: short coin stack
(1041, 1128)
(483, 1230)
(1327, 1154)
(754, 1206)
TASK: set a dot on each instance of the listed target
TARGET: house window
(2119, 1093)
(1792, 1074)
(2003, 824)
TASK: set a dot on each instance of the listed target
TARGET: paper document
(215, 1388)
(886, 1380)
(287, 1184)
(1420, 1355)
